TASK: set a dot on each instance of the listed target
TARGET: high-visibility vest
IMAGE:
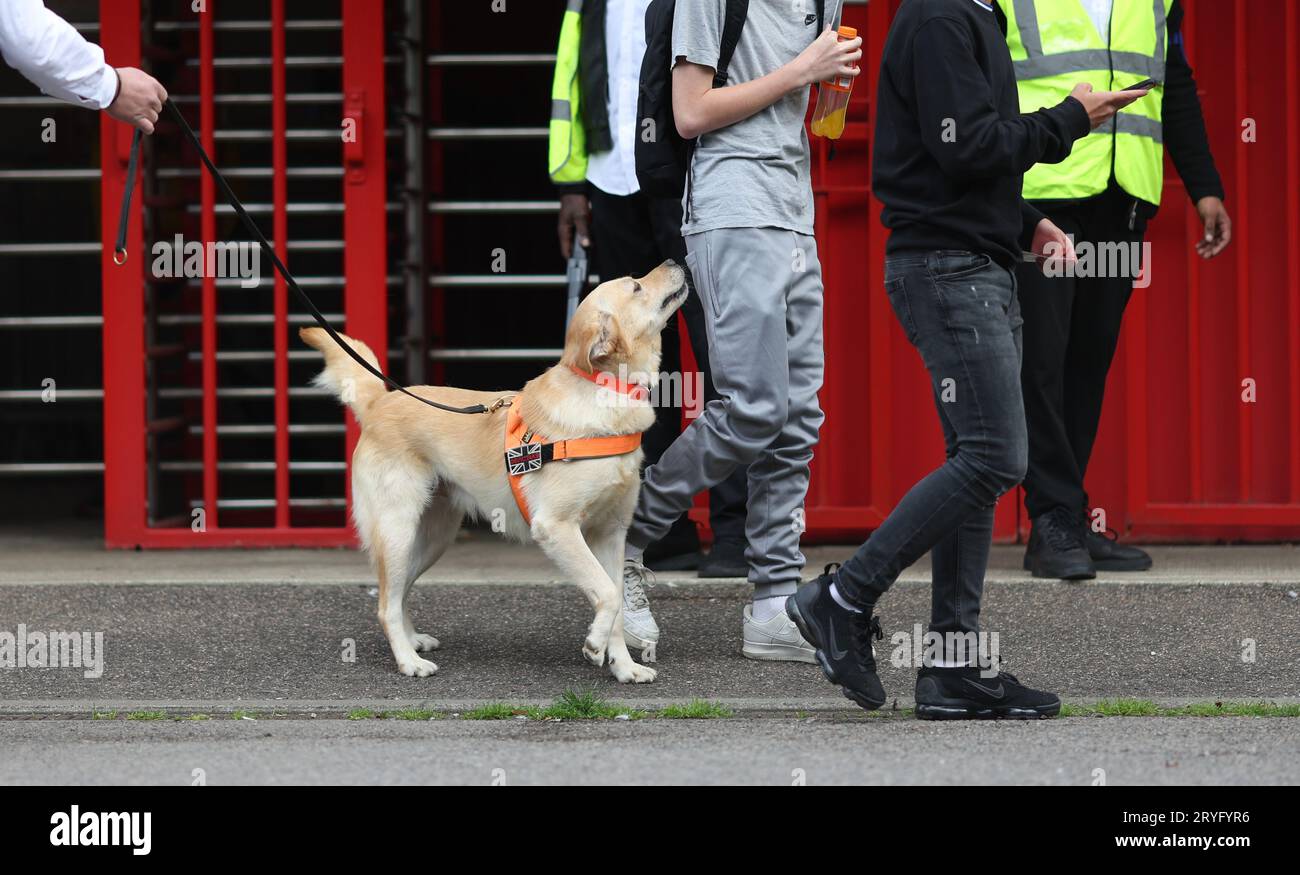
(1054, 46)
(568, 141)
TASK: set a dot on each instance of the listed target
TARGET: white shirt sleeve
(53, 55)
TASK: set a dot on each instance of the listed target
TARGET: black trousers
(631, 235)
(1072, 327)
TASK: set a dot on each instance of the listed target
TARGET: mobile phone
(1150, 83)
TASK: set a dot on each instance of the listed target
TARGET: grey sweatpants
(761, 289)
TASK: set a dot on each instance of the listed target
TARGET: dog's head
(619, 323)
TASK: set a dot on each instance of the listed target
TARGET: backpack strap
(732, 25)
(821, 16)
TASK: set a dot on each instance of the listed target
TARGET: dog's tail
(353, 384)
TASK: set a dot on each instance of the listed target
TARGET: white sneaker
(778, 639)
(640, 630)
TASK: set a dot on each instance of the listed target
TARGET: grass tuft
(1147, 708)
(147, 715)
(696, 709)
(497, 711)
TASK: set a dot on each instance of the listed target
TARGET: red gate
(132, 358)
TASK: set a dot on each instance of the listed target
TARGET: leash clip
(119, 261)
(496, 405)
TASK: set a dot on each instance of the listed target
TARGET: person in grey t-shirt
(748, 227)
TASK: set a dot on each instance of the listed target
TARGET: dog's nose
(670, 263)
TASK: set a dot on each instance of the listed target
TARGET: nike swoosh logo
(836, 653)
(996, 694)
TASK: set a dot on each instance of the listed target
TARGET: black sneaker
(725, 560)
(842, 638)
(964, 694)
(1056, 548)
(1108, 554)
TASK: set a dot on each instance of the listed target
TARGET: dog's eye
(636, 287)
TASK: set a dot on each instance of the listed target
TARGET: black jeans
(1072, 327)
(631, 235)
(959, 309)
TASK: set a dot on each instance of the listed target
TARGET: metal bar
(450, 207)
(435, 34)
(87, 248)
(262, 61)
(472, 133)
(299, 467)
(72, 174)
(265, 503)
(1245, 412)
(123, 308)
(253, 172)
(307, 209)
(280, 195)
(319, 282)
(300, 97)
(252, 135)
(51, 321)
(494, 59)
(260, 26)
(244, 319)
(1293, 239)
(302, 429)
(415, 267)
(207, 119)
(42, 468)
(365, 222)
(269, 355)
(69, 395)
(501, 354)
(447, 281)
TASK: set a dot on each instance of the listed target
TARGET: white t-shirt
(1099, 11)
(614, 172)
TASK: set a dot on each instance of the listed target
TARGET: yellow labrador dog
(418, 471)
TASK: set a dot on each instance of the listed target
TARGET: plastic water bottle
(833, 99)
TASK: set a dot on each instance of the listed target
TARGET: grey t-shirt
(755, 173)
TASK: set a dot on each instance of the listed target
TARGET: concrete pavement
(292, 637)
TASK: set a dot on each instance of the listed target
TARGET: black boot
(1056, 548)
(1108, 554)
(679, 550)
(725, 560)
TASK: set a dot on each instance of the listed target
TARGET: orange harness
(527, 452)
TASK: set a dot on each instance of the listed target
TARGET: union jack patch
(524, 459)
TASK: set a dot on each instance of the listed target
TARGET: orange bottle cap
(848, 32)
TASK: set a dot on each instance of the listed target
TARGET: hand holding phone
(1143, 86)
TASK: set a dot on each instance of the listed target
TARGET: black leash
(234, 202)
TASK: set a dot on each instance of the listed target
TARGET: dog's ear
(601, 341)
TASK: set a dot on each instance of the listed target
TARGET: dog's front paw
(630, 672)
(424, 643)
(417, 668)
(594, 650)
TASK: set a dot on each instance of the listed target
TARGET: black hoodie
(951, 145)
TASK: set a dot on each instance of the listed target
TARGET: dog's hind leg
(436, 531)
(563, 543)
(392, 544)
(607, 547)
